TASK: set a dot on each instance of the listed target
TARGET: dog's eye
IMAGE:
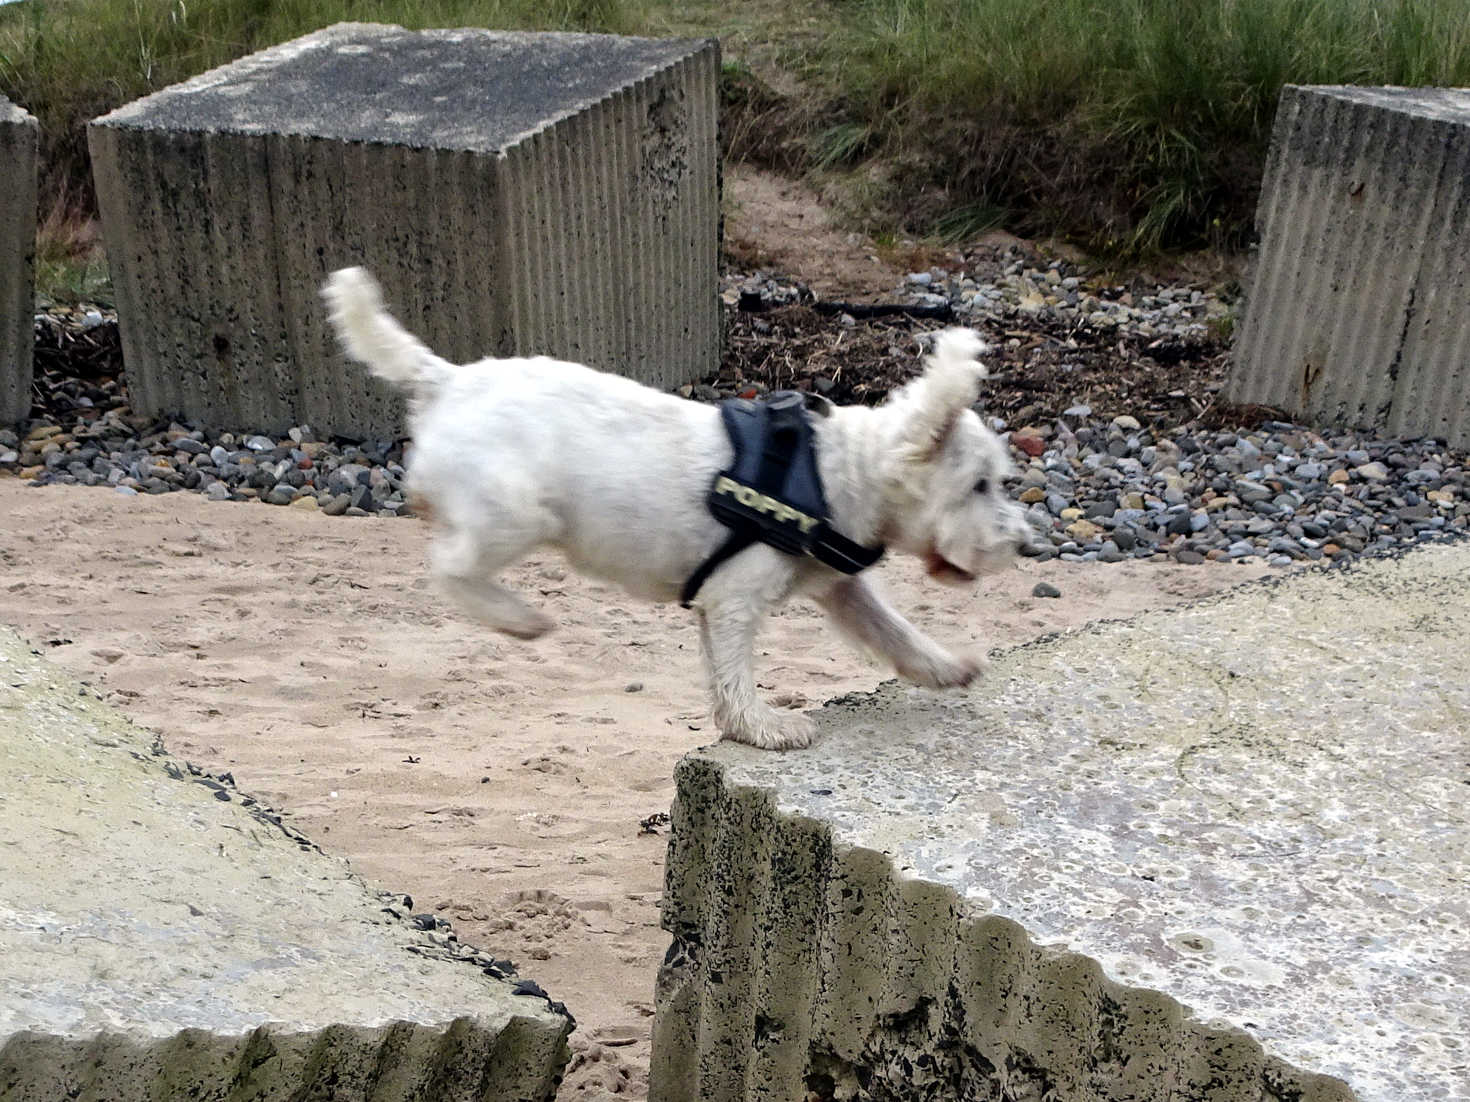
(983, 486)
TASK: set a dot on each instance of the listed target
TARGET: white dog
(513, 454)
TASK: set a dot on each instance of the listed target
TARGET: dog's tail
(959, 348)
(372, 335)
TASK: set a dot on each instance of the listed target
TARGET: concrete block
(164, 937)
(1357, 308)
(17, 272)
(515, 193)
(1217, 853)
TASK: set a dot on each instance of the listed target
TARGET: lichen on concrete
(1214, 853)
(163, 936)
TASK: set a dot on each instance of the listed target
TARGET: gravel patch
(1105, 392)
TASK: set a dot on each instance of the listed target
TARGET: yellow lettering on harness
(752, 499)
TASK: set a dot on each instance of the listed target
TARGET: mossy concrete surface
(163, 936)
(1216, 853)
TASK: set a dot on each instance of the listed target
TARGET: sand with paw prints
(501, 784)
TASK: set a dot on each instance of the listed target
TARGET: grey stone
(347, 477)
(1181, 524)
(18, 133)
(1045, 589)
(165, 937)
(1238, 884)
(598, 159)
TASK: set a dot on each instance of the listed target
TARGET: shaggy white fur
(616, 475)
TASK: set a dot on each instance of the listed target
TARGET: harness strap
(841, 553)
(786, 466)
(736, 543)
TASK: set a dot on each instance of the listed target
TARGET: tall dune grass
(68, 61)
(1133, 123)
(1129, 125)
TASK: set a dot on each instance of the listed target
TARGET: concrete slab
(18, 132)
(162, 936)
(513, 192)
(1215, 853)
(1356, 312)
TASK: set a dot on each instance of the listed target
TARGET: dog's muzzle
(942, 570)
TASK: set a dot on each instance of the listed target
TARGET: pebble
(1045, 589)
(1096, 486)
(1267, 494)
(134, 456)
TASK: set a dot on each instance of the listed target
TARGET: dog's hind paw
(532, 625)
(772, 730)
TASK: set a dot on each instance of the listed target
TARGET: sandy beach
(501, 784)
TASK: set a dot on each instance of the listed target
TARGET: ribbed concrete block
(1357, 314)
(515, 193)
(163, 937)
(1212, 854)
(17, 259)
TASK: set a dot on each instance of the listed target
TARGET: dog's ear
(949, 386)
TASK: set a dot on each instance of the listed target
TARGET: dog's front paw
(947, 672)
(771, 730)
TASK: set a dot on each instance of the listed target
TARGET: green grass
(67, 61)
(1131, 124)
(1127, 125)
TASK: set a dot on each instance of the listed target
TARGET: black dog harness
(772, 492)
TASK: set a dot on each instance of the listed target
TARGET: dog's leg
(463, 567)
(731, 606)
(861, 613)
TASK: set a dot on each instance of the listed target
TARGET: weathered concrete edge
(19, 133)
(469, 1053)
(1318, 304)
(519, 1061)
(123, 117)
(788, 945)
